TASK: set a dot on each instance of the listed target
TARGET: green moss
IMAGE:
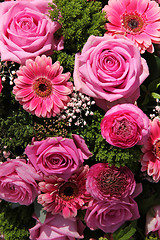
(14, 223)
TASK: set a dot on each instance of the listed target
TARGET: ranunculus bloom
(106, 182)
(65, 197)
(137, 20)
(27, 31)
(150, 159)
(18, 182)
(57, 155)
(110, 69)
(125, 125)
(42, 88)
(110, 215)
(153, 220)
(56, 227)
(0, 85)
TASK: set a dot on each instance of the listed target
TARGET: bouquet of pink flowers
(80, 120)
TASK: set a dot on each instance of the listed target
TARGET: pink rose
(18, 182)
(57, 227)
(110, 69)
(58, 155)
(153, 220)
(26, 31)
(110, 215)
(125, 125)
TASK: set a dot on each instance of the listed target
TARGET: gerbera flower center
(157, 149)
(42, 87)
(68, 191)
(133, 22)
(112, 182)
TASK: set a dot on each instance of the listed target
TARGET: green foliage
(104, 152)
(79, 20)
(153, 236)
(14, 223)
(125, 232)
(16, 129)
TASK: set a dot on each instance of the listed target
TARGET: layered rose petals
(137, 20)
(150, 159)
(41, 88)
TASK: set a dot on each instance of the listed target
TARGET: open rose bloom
(110, 69)
(26, 31)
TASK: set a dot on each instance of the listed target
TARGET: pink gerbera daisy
(150, 159)
(62, 196)
(41, 87)
(139, 20)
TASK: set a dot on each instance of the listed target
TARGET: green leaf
(155, 95)
(40, 213)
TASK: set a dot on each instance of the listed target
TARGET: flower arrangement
(79, 120)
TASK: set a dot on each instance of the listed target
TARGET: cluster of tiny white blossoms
(8, 70)
(156, 110)
(77, 108)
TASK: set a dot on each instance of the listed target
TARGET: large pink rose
(26, 31)
(125, 125)
(110, 215)
(18, 182)
(110, 69)
(58, 155)
(57, 227)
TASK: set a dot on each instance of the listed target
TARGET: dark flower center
(112, 182)
(68, 191)
(133, 22)
(157, 149)
(42, 87)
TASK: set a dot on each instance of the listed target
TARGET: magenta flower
(110, 69)
(57, 227)
(125, 125)
(65, 197)
(18, 182)
(106, 182)
(41, 87)
(58, 156)
(153, 220)
(110, 215)
(137, 20)
(150, 159)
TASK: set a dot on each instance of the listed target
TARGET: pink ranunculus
(153, 220)
(57, 227)
(18, 182)
(106, 182)
(57, 155)
(0, 85)
(125, 125)
(110, 215)
(27, 31)
(110, 69)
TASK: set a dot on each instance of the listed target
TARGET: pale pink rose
(125, 125)
(106, 182)
(27, 31)
(56, 227)
(150, 159)
(0, 85)
(153, 220)
(110, 69)
(18, 182)
(57, 155)
(110, 215)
